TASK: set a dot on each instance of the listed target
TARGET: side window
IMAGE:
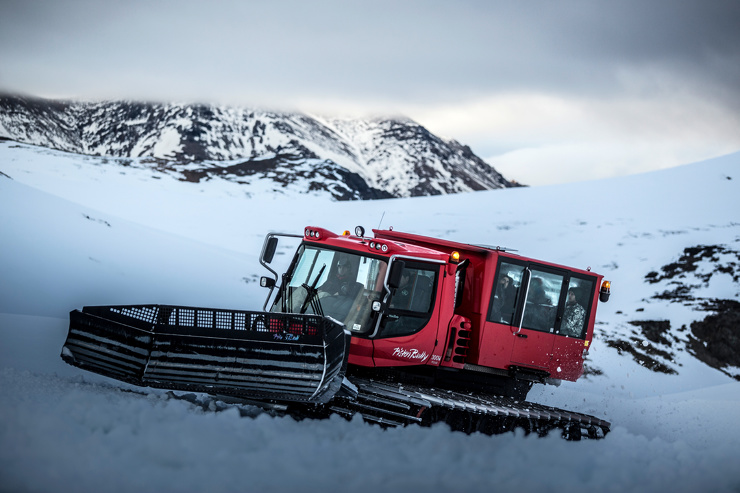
(412, 302)
(577, 303)
(415, 291)
(506, 293)
(543, 298)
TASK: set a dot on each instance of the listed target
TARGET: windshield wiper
(311, 296)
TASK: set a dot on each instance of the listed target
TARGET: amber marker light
(605, 291)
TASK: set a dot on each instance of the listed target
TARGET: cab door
(538, 317)
(573, 338)
(496, 338)
(408, 332)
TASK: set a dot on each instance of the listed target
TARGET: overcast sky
(546, 91)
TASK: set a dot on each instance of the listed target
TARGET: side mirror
(267, 282)
(268, 252)
(394, 279)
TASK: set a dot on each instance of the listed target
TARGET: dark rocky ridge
(713, 339)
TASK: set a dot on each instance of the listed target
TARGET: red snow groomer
(397, 327)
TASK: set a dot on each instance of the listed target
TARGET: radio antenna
(381, 219)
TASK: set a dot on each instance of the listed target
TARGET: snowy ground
(81, 231)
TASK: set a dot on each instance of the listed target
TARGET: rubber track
(400, 405)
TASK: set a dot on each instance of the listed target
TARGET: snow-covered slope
(70, 237)
(351, 158)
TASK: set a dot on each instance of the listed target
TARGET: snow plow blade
(271, 357)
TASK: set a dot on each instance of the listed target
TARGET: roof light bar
(376, 245)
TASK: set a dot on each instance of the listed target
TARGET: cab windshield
(341, 285)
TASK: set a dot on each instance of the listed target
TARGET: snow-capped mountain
(348, 158)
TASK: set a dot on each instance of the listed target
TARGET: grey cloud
(421, 51)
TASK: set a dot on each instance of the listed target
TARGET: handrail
(526, 294)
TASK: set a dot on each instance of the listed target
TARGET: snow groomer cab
(441, 312)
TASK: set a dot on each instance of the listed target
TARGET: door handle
(523, 336)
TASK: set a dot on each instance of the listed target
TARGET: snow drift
(79, 232)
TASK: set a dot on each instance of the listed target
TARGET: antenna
(381, 219)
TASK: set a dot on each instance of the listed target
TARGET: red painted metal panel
(532, 349)
(567, 360)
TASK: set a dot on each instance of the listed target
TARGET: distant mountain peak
(351, 158)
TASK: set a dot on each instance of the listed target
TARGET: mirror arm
(268, 252)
